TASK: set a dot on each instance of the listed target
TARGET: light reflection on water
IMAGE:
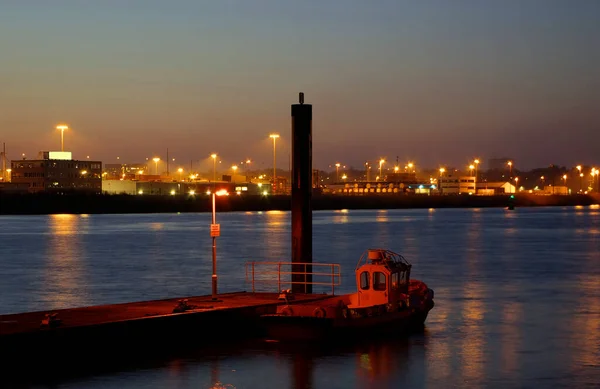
(517, 302)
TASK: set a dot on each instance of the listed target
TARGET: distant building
(495, 188)
(56, 171)
(116, 170)
(181, 188)
(456, 184)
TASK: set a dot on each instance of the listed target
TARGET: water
(517, 292)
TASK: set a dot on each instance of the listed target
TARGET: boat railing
(281, 273)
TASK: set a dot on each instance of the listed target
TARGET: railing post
(304, 277)
(252, 276)
(332, 281)
(278, 277)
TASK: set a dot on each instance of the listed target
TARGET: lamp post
(381, 162)
(578, 167)
(564, 177)
(274, 137)
(516, 184)
(156, 159)
(367, 169)
(442, 170)
(476, 171)
(214, 157)
(180, 171)
(510, 168)
(337, 172)
(215, 231)
(62, 128)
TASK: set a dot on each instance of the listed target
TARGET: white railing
(281, 273)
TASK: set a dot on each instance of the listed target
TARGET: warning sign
(215, 230)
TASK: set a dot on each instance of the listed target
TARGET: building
(56, 171)
(457, 184)
(495, 188)
(180, 188)
(117, 170)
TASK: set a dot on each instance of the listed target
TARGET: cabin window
(394, 279)
(364, 280)
(379, 281)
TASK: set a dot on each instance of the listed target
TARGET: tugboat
(386, 299)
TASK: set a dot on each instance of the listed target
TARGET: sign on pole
(215, 230)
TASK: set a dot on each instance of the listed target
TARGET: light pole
(62, 128)
(274, 137)
(476, 171)
(442, 170)
(564, 177)
(215, 231)
(578, 167)
(516, 184)
(180, 171)
(367, 169)
(381, 162)
(214, 157)
(510, 168)
(337, 172)
(156, 159)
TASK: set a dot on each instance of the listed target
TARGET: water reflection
(64, 270)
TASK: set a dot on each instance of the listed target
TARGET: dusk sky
(435, 82)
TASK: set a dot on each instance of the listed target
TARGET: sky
(438, 83)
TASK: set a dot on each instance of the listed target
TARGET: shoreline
(45, 204)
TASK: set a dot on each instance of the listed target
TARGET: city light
(62, 128)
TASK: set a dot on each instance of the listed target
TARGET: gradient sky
(437, 82)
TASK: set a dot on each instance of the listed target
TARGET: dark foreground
(31, 204)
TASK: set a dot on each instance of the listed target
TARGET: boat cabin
(382, 277)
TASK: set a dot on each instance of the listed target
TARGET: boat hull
(306, 328)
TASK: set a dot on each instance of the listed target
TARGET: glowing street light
(274, 137)
(367, 167)
(381, 162)
(578, 167)
(516, 184)
(509, 163)
(214, 157)
(564, 177)
(337, 172)
(62, 128)
(442, 171)
(180, 171)
(156, 159)
(410, 167)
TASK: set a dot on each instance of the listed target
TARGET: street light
(214, 157)
(442, 170)
(510, 167)
(156, 159)
(367, 169)
(337, 172)
(564, 177)
(476, 168)
(62, 128)
(274, 136)
(516, 184)
(180, 171)
(215, 230)
(578, 167)
(410, 167)
(381, 162)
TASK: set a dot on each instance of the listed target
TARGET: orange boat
(386, 299)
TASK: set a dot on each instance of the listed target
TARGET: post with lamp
(215, 231)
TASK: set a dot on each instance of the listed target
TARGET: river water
(517, 292)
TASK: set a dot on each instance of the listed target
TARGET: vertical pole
(279, 277)
(214, 251)
(253, 277)
(301, 196)
(274, 161)
(332, 281)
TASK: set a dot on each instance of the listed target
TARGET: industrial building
(181, 188)
(57, 172)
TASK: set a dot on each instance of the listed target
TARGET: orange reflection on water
(63, 273)
(472, 346)
(340, 216)
(382, 216)
(275, 219)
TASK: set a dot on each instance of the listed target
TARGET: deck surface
(87, 316)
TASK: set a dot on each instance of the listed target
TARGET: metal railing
(281, 273)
